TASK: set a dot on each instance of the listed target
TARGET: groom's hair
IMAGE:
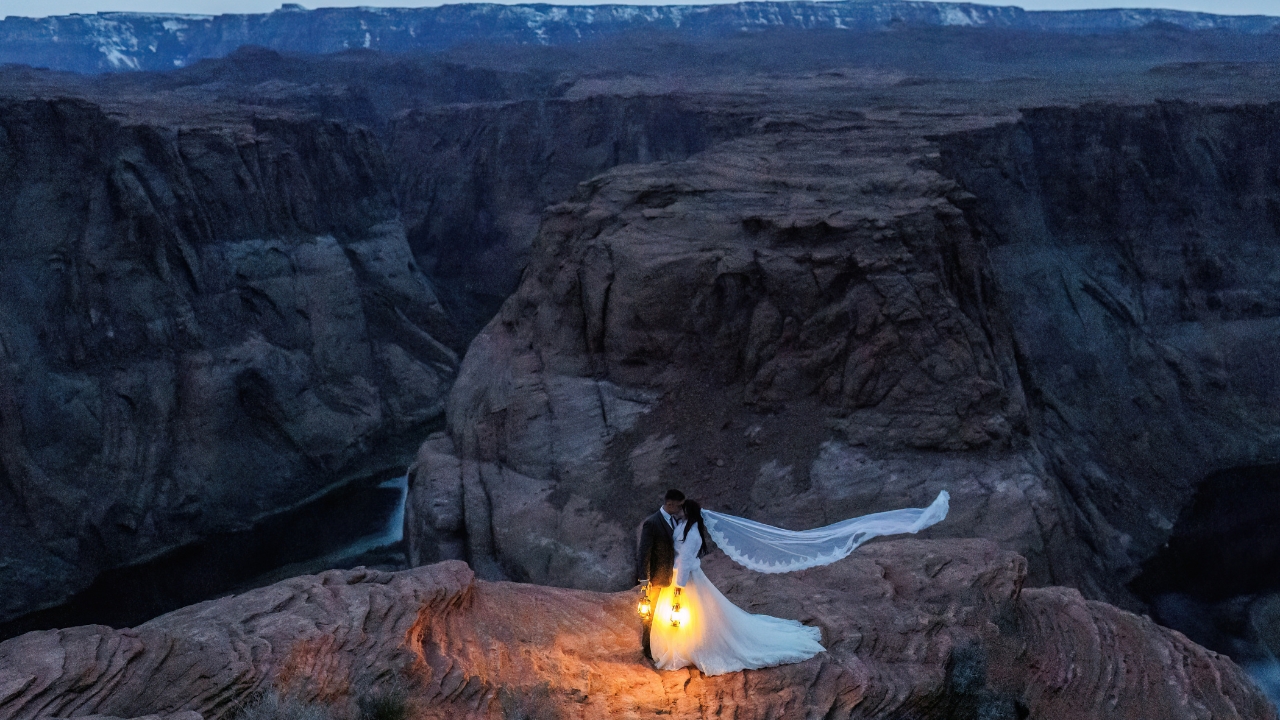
(675, 495)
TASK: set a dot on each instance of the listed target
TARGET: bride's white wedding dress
(717, 636)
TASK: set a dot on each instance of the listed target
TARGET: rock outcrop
(199, 325)
(836, 315)
(800, 337)
(924, 629)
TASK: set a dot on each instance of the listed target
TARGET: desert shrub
(271, 705)
(389, 703)
(388, 700)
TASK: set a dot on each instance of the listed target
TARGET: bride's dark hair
(692, 517)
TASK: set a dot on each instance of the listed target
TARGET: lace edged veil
(768, 549)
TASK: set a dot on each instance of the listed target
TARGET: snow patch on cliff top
(154, 16)
(959, 16)
(114, 39)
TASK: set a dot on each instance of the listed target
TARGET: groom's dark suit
(656, 561)
(657, 558)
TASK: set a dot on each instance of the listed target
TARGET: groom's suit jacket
(657, 557)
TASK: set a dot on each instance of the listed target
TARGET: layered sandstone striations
(1137, 252)
(199, 325)
(920, 629)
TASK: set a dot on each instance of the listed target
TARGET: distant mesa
(117, 42)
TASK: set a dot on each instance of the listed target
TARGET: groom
(657, 557)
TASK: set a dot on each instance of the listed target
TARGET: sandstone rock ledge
(921, 629)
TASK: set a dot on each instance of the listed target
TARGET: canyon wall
(1136, 252)
(219, 311)
(799, 295)
(201, 325)
(473, 180)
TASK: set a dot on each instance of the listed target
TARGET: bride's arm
(687, 557)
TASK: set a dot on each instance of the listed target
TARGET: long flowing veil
(768, 549)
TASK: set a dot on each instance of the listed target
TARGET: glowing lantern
(679, 615)
(644, 607)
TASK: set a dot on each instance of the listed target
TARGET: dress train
(715, 635)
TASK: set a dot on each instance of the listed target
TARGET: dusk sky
(39, 8)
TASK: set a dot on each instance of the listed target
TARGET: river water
(361, 524)
(1267, 675)
(382, 546)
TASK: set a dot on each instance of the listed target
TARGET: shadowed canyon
(803, 273)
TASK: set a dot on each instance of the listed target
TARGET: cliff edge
(927, 629)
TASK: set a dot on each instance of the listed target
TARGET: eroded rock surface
(810, 321)
(928, 629)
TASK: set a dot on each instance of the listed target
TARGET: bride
(694, 624)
